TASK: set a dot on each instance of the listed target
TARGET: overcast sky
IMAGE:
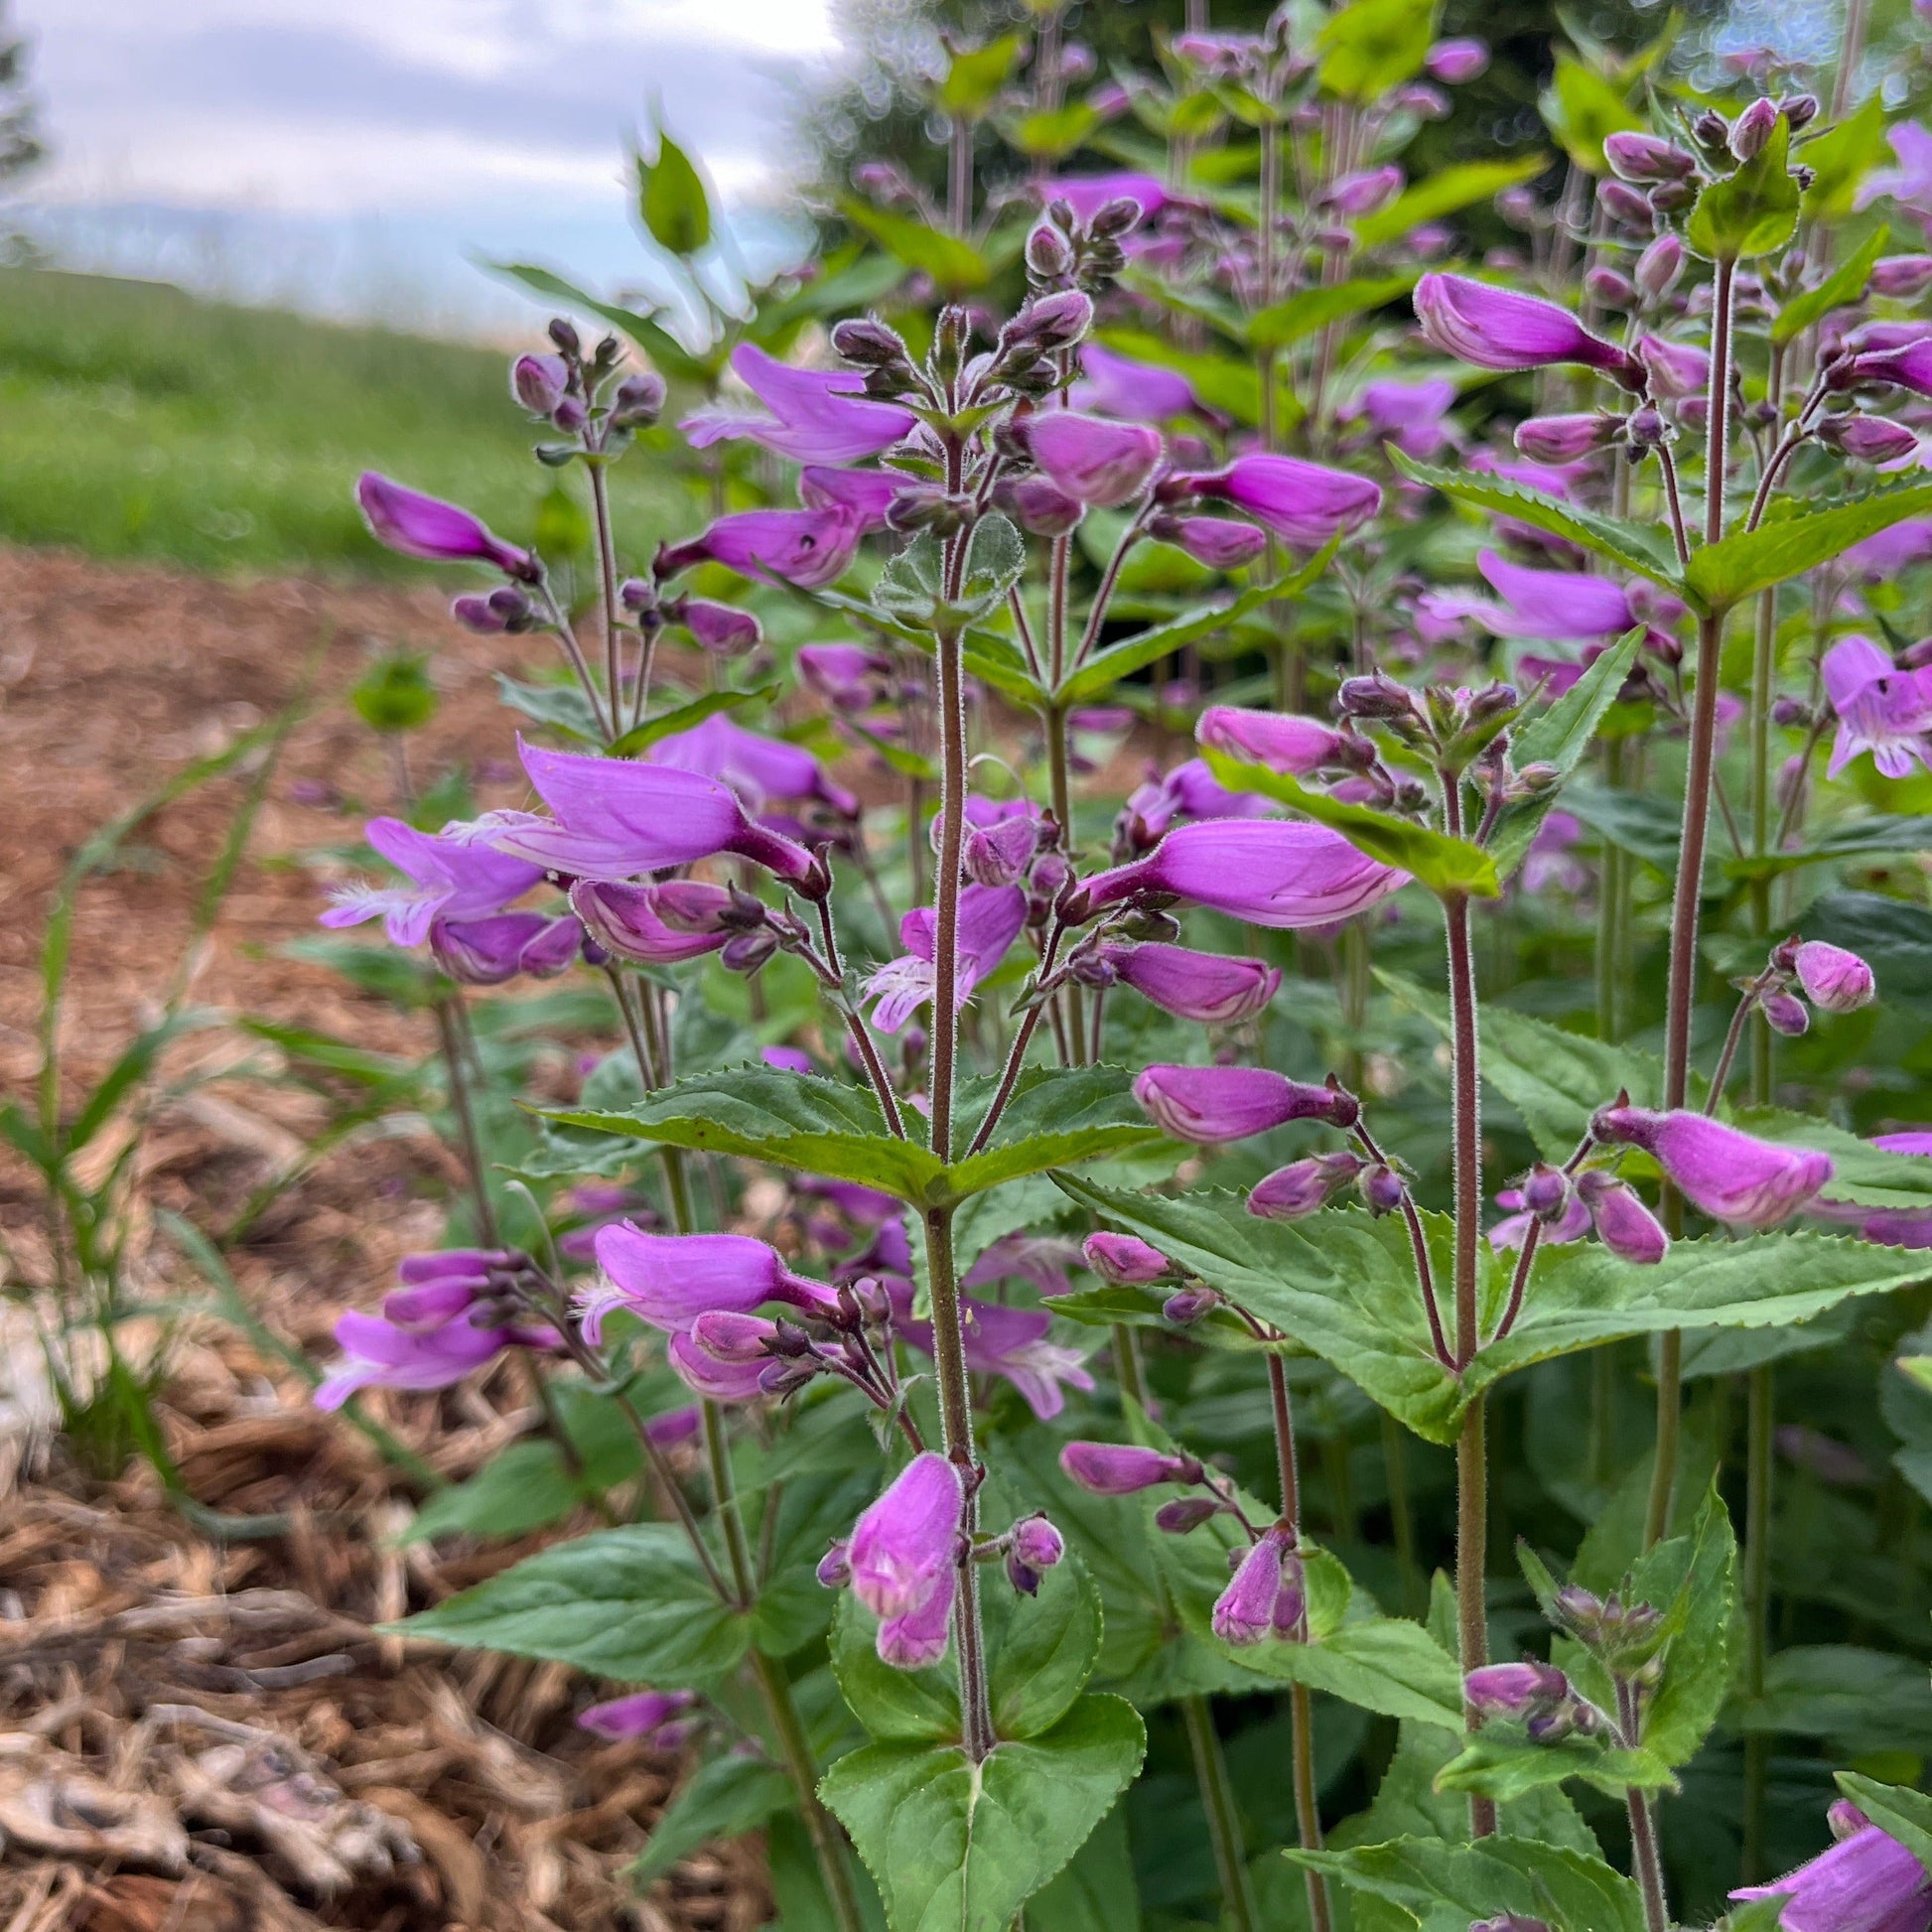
(325, 148)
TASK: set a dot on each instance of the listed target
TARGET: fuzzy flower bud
(1245, 1613)
(1381, 1190)
(1623, 1223)
(1090, 459)
(1834, 979)
(1126, 1261)
(1646, 158)
(1659, 266)
(1901, 276)
(1189, 1306)
(1514, 1690)
(1732, 1176)
(1752, 128)
(1565, 439)
(1869, 438)
(1122, 1469)
(1212, 1104)
(1185, 1513)
(1786, 1014)
(1303, 1186)
(538, 382)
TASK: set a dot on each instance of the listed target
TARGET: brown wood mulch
(201, 1734)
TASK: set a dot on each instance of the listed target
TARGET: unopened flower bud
(1050, 321)
(1376, 697)
(565, 335)
(1185, 1513)
(1038, 1544)
(1627, 205)
(1901, 275)
(1126, 1261)
(1659, 266)
(1752, 128)
(721, 628)
(745, 952)
(1565, 439)
(1799, 110)
(1791, 714)
(999, 854)
(1124, 1468)
(539, 381)
(1514, 1690)
(1623, 1223)
(1381, 1190)
(1834, 979)
(1049, 255)
(1611, 286)
(835, 1566)
(1786, 1014)
(1869, 438)
(869, 344)
(1647, 158)
(1188, 1308)
(1039, 506)
(1670, 196)
(638, 400)
(1303, 1186)
(1546, 1192)
(1711, 131)
(1645, 428)
(1115, 218)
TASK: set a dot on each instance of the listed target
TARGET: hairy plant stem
(1471, 1544)
(607, 564)
(1646, 1866)
(448, 1025)
(1308, 1815)
(1223, 1820)
(1682, 998)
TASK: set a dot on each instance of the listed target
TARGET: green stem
(447, 1024)
(1682, 999)
(795, 1748)
(1223, 1821)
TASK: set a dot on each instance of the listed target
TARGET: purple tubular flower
(1514, 1690)
(1303, 1186)
(1676, 369)
(614, 818)
(1867, 1882)
(1208, 1105)
(866, 496)
(809, 547)
(1015, 1344)
(1122, 1469)
(919, 1637)
(721, 628)
(641, 1717)
(1414, 415)
(1264, 870)
(906, 1543)
(654, 925)
(1623, 1223)
(1215, 542)
(1732, 1176)
(1279, 739)
(1556, 604)
(1203, 986)
(414, 525)
(1901, 275)
(990, 921)
(1363, 192)
(999, 854)
(670, 1280)
(759, 769)
(486, 952)
(1090, 459)
(1880, 709)
(809, 415)
(1039, 505)
(1870, 439)
(1497, 329)
(846, 676)
(1304, 504)
(1126, 1261)
(1244, 1612)
(453, 879)
(1454, 62)
(379, 1353)
(1136, 392)
(714, 1378)
(1909, 367)
(1832, 978)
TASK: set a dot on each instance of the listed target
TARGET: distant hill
(137, 421)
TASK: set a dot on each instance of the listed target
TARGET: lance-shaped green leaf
(1846, 284)
(1444, 191)
(628, 1603)
(963, 1846)
(955, 265)
(1789, 544)
(1697, 1615)
(1635, 546)
(726, 1798)
(650, 334)
(1283, 323)
(1556, 1081)
(1447, 866)
(1894, 1808)
(1857, 842)
(1501, 1762)
(1370, 47)
(1751, 213)
(1105, 668)
(671, 200)
(1454, 1885)
(681, 718)
(1842, 157)
(974, 77)
(1057, 1116)
(1559, 737)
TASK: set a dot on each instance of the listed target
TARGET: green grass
(140, 422)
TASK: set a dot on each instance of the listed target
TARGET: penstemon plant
(908, 1575)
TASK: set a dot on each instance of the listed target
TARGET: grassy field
(136, 421)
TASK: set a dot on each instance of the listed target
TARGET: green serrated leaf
(1751, 213)
(956, 266)
(1905, 1814)
(1560, 737)
(1842, 157)
(963, 1846)
(1844, 285)
(1501, 1762)
(1445, 1885)
(627, 1604)
(1635, 546)
(1445, 865)
(1746, 562)
(650, 334)
(681, 718)
(1698, 1662)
